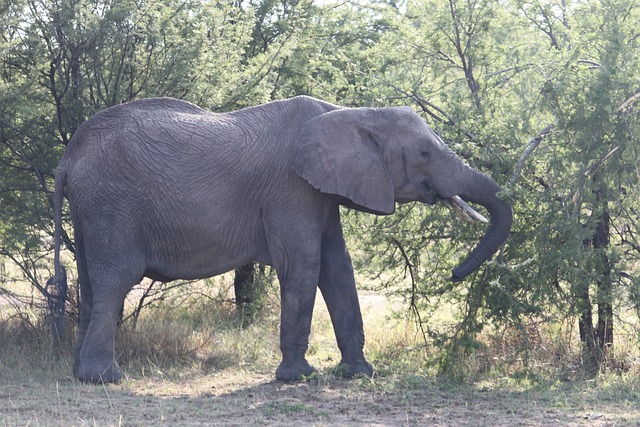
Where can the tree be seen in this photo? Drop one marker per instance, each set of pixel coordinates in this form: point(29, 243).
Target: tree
point(588, 94)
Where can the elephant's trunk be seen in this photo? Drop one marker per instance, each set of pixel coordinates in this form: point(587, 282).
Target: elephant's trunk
point(482, 190)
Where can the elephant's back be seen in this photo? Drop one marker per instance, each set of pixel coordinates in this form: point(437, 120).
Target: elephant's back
point(149, 152)
point(105, 124)
point(147, 130)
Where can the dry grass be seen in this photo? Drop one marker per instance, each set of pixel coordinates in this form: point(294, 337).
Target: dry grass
point(193, 366)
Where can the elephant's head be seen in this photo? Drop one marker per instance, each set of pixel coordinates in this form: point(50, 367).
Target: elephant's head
point(376, 157)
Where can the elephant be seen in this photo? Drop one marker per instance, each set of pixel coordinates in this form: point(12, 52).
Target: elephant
point(163, 189)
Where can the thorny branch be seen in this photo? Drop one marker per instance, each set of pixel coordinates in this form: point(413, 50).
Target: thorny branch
point(426, 106)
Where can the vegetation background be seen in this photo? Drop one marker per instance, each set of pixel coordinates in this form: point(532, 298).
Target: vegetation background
point(541, 94)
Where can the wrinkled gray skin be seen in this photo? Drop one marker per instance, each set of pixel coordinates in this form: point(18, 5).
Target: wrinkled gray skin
point(163, 189)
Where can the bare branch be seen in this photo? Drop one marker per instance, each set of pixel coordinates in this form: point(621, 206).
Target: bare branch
point(463, 54)
point(593, 64)
point(532, 145)
point(628, 105)
point(597, 164)
point(426, 106)
point(576, 194)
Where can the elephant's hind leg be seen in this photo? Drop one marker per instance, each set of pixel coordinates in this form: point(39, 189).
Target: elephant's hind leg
point(96, 359)
point(109, 287)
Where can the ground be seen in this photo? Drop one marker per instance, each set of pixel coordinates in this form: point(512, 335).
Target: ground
point(247, 400)
point(231, 392)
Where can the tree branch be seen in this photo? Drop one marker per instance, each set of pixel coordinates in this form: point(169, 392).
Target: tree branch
point(592, 64)
point(628, 105)
point(532, 145)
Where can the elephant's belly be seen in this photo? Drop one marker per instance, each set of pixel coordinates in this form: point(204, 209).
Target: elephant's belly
point(202, 259)
point(168, 273)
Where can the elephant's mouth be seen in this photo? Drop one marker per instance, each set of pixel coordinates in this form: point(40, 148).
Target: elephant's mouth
point(460, 207)
point(429, 196)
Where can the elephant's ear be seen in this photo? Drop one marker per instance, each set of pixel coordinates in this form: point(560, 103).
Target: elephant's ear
point(338, 154)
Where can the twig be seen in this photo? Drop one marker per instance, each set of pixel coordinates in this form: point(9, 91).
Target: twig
point(597, 164)
point(593, 64)
point(426, 105)
point(576, 193)
point(413, 305)
point(532, 145)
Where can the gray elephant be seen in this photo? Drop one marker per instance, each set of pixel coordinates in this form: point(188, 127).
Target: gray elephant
point(163, 189)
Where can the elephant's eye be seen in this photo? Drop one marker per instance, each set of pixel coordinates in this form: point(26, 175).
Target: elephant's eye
point(425, 154)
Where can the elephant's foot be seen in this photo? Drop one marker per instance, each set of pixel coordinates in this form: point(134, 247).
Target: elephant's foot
point(97, 374)
point(294, 371)
point(353, 368)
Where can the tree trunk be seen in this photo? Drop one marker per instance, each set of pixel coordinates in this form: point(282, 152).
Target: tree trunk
point(248, 287)
point(601, 242)
point(587, 333)
point(244, 283)
point(598, 342)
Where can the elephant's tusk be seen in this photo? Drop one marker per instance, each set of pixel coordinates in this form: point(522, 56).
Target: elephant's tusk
point(465, 211)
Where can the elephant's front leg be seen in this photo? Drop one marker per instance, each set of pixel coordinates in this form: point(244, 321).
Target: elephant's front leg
point(295, 254)
point(297, 301)
point(338, 288)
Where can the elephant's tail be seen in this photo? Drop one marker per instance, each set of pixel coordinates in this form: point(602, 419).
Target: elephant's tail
point(56, 290)
point(58, 195)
